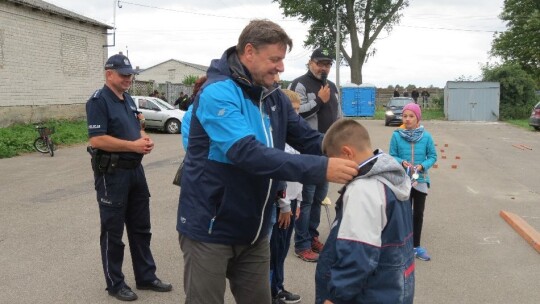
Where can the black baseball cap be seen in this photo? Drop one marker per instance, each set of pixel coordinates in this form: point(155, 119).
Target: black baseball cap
point(121, 64)
point(321, 55)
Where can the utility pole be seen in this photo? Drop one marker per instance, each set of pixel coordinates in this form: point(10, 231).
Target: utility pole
point(338, 43)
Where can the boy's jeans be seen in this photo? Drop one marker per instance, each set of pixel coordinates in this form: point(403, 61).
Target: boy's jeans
point(310, 215)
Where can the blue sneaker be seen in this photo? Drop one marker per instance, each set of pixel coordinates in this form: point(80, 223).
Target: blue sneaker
point(421, 253)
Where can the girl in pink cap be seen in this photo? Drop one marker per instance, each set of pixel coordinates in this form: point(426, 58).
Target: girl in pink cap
point(413, 148)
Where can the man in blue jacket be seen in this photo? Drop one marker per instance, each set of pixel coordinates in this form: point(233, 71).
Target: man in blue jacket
point(239, 125)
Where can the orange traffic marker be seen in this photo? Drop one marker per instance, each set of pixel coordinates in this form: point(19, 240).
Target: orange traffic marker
point(454, 166)
point(522, 228)
point(442, 150)
point(446, 145)
point(435, 166)
point(443, 156)
point(458, 157)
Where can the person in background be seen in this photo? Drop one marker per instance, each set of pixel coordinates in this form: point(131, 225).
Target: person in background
point(282, 230)
point(199, 83)
point(162, 97)
point(405, 93)
point(118, 144)
point(396, 93)
point(425, 98)
point(320, 107)
point(181, 101)
point(239, 125)
point(415, 95)
point(368, 256)
point(413, 147)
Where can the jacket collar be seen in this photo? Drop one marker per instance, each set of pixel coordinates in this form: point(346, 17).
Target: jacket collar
point(310, 75)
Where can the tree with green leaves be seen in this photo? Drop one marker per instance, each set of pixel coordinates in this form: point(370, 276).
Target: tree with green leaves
point(189, 80)
point(520, 43)
point(361, 22)
point(517, 89)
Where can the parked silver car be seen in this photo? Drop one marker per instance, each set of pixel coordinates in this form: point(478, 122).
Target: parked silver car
point(159, 114)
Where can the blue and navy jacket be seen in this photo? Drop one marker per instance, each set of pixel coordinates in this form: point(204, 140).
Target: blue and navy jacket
point(235, 156)
point(368, 256)
point(422, 152)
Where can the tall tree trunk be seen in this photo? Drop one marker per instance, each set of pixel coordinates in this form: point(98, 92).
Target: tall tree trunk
point(356, 63)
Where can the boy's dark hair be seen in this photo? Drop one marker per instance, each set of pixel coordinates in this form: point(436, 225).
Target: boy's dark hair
point(261, 32)
point(345, 132)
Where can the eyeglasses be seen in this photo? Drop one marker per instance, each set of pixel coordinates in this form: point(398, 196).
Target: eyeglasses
point(324, 64)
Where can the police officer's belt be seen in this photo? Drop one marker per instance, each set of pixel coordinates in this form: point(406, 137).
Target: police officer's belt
point(126, 164)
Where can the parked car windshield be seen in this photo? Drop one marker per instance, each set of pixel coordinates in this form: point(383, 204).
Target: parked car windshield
point(399, 102)
point(163, 103)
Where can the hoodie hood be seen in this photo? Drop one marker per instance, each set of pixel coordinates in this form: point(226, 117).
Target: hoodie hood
point(387, 170)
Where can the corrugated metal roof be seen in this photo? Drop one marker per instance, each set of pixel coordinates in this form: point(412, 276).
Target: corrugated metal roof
point(50, 8)
point(471, 84)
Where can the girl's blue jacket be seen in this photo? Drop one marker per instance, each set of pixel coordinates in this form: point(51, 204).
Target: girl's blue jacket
point(419, 153)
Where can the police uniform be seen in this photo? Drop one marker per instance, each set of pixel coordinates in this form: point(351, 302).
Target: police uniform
point(122, 191)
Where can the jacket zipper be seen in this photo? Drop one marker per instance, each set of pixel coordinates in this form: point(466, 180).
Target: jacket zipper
point(412, 154)
point(211, 226)
point(269, 143)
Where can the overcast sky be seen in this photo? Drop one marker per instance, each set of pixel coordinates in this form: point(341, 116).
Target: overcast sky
point(436, 41)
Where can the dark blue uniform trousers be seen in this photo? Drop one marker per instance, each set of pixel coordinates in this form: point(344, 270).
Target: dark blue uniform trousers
point(124, 198)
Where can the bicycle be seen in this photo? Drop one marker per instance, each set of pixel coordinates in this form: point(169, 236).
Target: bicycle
point(44, 143)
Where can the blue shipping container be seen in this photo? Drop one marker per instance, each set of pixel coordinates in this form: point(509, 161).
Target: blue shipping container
point(358, 101)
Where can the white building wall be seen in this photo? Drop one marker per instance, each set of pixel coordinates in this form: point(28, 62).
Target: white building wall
point(48, 59)
point(169, 71)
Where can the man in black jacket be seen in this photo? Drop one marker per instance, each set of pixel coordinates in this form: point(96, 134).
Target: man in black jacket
point(320, 107)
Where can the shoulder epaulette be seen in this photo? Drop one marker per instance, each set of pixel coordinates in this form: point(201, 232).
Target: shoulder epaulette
point(96, 94)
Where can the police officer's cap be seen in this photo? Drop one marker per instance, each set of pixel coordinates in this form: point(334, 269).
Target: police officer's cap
point(121, 64)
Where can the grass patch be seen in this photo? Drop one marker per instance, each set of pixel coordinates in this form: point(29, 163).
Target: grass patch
point(18, 139)
point(522, 123)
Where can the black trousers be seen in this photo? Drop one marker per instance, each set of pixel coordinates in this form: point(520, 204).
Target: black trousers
point(418, 202)
point(124, 199)
point(280, 242)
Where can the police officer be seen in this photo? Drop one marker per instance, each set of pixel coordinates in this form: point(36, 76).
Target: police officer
point(118, 144)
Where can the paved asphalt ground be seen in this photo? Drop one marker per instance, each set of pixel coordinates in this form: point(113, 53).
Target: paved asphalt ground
point(49, 222)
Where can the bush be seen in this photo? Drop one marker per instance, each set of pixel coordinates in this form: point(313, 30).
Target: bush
point(517, 90)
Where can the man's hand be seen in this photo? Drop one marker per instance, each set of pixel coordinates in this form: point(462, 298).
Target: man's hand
point(341, 170)
point(143, 145)
point(284, 220)
point(324, 93)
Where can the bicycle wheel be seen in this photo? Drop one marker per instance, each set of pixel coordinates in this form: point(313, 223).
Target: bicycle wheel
point(51, 147)
point(41, 145)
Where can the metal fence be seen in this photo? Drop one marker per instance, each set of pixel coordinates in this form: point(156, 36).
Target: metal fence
point(171, 91)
